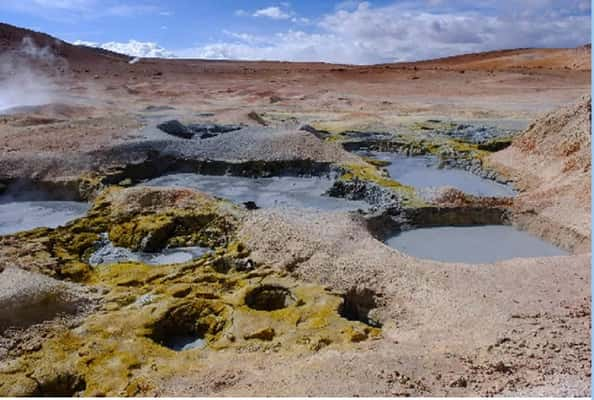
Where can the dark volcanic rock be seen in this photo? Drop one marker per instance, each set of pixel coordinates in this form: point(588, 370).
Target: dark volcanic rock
point(370, 192)
point(204, 131)
point(153, 108)
point(365, 135)
point(250, 205)
point(176, 128)
point(490, 136)
point(317, 133)
point(210, 130)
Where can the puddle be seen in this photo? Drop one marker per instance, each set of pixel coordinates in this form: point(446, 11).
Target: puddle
point(184, 342)
point(275, 192)
point(471, 244)
point(24, 215)
point(422, 172)
point(110, 254)
point(188, 326)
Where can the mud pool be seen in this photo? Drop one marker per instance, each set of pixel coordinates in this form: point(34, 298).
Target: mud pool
point(184, 342)
point(24, 215)
point(107, 253)
point(471, 244)
point(422, 172)
point(275, 192)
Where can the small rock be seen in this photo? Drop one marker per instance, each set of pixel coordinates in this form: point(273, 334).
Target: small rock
point(245, 264)
point(317, 133)
point(266, 334)
point(256, 117)
point(153, 108)
point(126, 182)
point(460, 382)
point(176, 128)
point(250, 205)
point(211, 130)
point(501, 367)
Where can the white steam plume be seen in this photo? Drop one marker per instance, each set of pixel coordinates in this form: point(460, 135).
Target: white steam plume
point(22, 83)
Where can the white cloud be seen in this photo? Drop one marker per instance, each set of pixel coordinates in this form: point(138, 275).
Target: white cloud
point(408, 31)
point(272, 12)
point(132, 48)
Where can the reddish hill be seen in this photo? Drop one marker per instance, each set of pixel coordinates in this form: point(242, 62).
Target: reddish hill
point(11, 39)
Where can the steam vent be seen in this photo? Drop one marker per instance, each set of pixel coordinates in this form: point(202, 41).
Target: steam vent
point(174, 226)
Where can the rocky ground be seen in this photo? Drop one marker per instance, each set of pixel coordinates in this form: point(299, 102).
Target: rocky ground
point(295, 302)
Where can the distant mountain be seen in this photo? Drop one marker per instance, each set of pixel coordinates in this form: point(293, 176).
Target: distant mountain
point(81, 56)
point(15, 39)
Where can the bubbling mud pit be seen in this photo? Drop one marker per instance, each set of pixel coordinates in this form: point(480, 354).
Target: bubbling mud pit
point(471, 244)
point(423, 172)
point(273, 192)
point(22, 210)
point(108, 253)
point(476, 234)
point(460, 235)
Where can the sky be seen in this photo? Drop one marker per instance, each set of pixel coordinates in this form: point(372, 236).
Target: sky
point(350, 32)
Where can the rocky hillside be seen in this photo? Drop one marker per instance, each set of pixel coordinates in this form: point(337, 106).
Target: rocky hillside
point(12, 37)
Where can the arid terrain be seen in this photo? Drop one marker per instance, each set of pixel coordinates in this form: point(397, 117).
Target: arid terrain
point(291, 301)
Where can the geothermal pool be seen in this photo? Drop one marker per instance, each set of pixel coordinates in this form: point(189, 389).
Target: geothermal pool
point(275, 192)
point(107, 253)
point(422, 172)
point(24, 215)
point(184, 342)
point(471, 244)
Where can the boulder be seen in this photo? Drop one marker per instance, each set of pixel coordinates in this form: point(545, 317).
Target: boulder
point(176, 128)
point(211, 130)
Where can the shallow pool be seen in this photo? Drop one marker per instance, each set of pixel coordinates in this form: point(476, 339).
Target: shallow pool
point(275, 192)
point(107, 253)
point(422, 172)
point(184, 342)
point(471, 244)
point(24, 215)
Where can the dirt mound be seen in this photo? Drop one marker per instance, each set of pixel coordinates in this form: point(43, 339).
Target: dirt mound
point(564, 134)
point(551, 162)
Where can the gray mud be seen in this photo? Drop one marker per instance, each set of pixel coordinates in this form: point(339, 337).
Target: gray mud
point(423, 172)
point(25, 215)
point(471, 244)
point(107, 253)
point(275, 192)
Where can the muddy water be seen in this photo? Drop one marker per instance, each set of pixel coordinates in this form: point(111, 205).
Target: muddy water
point(182, 343)
point(24, 215)
point(276, 192)
point(471, 244)
point(422, 172)
point(110, 254)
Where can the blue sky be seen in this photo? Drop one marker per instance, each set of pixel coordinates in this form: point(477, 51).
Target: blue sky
point(335, 31)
